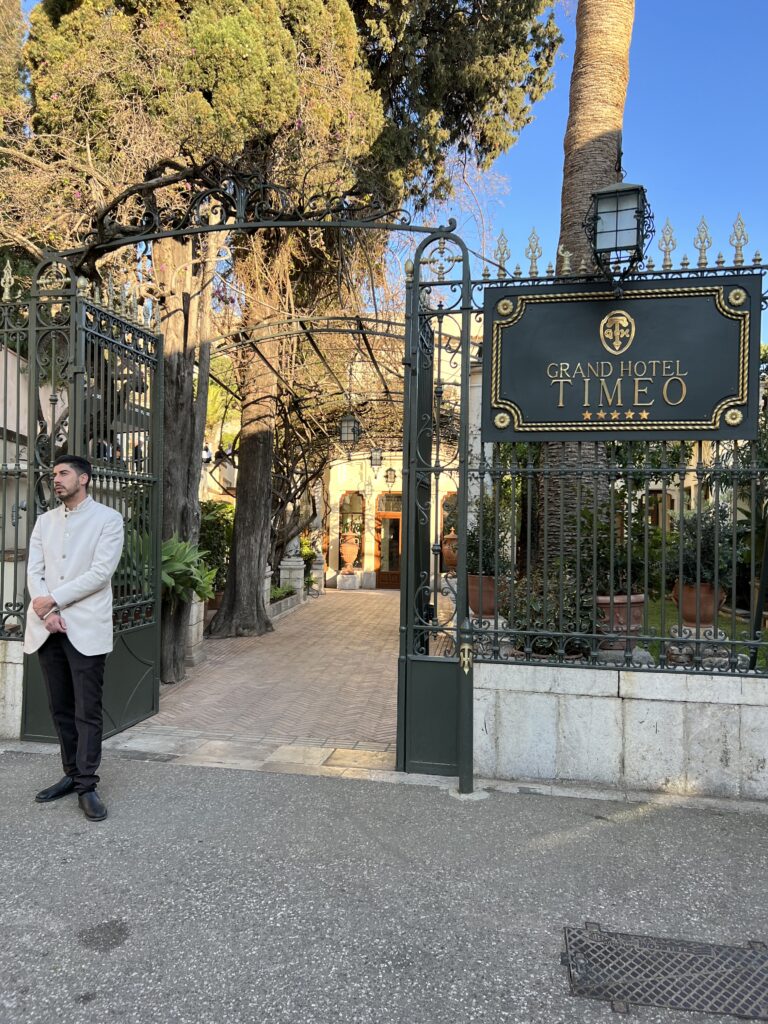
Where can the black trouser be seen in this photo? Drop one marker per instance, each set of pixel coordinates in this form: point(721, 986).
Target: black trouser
point(74, 683)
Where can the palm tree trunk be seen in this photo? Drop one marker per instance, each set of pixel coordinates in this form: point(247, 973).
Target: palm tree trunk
point(596, 114)
point(592, 160)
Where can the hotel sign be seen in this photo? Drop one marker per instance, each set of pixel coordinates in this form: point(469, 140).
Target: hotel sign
point(666, 359)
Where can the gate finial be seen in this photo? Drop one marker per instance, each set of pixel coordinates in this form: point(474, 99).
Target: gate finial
point(738, 240)
point(502, 253)
point(702, 242)
point(533, 252)
point(666, 244)
point(7, 281)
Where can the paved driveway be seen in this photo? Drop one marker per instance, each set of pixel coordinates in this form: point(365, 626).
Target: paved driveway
point(324, 681)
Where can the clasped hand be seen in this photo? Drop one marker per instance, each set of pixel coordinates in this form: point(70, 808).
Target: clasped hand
point(42, 606)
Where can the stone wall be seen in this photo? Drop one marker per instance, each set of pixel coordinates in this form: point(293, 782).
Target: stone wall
point(693, 735)
point(11, 688)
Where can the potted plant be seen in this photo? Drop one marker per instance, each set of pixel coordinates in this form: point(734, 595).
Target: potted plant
point(488, 553)
point(619, 555)
point(549, 618)
point(703, 568)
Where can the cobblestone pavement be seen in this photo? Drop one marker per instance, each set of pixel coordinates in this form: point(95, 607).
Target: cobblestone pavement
point(319, 694)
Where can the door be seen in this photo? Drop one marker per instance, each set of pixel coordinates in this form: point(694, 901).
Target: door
point(389, 541)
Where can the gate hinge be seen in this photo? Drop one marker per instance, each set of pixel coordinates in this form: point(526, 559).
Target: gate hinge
point(465, 658)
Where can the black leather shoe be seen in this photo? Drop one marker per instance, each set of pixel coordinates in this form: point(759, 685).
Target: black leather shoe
point(92, 806)
point(62, 788)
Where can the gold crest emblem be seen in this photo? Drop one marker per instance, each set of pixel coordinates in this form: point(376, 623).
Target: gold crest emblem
point(617, 332)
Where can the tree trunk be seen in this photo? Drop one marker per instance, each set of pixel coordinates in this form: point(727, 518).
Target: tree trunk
point(596, 114)
point(243, 610)
point(180, 279)
point(592, 160)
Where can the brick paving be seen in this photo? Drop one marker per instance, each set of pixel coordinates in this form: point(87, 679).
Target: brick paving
point(320, 687)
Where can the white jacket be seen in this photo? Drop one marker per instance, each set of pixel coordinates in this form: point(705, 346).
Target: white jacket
point(72, 556)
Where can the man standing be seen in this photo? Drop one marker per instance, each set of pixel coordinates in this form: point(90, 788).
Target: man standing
point(73, 552)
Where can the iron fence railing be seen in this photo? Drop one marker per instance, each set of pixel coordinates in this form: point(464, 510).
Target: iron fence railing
point(643, 554)
point(14, 321)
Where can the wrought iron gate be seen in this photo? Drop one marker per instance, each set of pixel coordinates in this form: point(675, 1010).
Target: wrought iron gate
point(435, 671)
point(580, 551)
point(95, 389)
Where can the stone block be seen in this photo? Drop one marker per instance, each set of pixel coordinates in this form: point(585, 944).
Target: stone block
point(318, 572)
point(589, 740)
point(485, 733)
point(754, 753)
point(292, 573)
point(194, 655)
point(349, 581)
point(754, 691)
point(530, 678)
point(712, 750)
point(654, 755)
point(681, 686)
point(11, 693)
point(527, 735)
point(11, 652)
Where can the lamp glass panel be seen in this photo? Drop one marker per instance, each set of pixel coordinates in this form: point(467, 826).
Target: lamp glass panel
point(349, 429)
point(627, 220)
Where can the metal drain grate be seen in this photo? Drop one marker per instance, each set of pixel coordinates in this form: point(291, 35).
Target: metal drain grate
point(646, 971)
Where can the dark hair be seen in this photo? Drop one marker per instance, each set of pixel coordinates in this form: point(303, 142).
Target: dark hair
point(80, 464)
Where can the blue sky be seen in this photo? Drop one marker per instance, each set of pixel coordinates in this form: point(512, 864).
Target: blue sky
point(694, 130)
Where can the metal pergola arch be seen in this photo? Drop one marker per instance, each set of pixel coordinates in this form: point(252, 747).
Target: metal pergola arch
point(225, 201)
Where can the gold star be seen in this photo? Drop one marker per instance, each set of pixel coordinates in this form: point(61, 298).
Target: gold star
point(629, 414)
point(587, 416)
point(644, 414)
point(601, 414)
point(615, 414)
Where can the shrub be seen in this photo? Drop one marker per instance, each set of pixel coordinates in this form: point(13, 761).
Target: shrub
point(706, 542)
point(496, 544)
point(216, 523)
point(635, 548)
point(547, 612)
point(184, 572)
point(278, 593)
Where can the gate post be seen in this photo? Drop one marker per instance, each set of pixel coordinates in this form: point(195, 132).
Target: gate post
point(463, 621)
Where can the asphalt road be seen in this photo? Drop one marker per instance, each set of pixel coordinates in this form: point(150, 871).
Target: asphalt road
point(214, 896)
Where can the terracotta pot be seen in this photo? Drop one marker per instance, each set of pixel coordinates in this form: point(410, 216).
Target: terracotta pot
point(348, 550)
point(450, 554)
point(709, 605)
point(620, 616)
point(487, 605)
